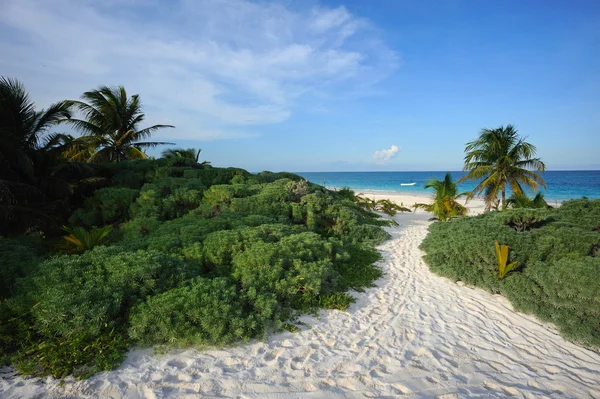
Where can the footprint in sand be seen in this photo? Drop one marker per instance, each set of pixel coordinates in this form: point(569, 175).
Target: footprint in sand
point(400, 389)
point(297, 363)
point(270, 357)
point(410, 355)
point(178, 364)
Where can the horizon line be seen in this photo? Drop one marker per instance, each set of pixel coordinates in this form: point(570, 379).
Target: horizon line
point(442, 171)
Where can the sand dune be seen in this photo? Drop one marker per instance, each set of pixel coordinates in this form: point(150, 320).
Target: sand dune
point(414, 335)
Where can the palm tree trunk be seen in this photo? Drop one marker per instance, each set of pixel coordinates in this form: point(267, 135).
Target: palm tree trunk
point(503, 199)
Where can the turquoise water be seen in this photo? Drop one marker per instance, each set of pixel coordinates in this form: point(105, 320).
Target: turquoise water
point(561, 185)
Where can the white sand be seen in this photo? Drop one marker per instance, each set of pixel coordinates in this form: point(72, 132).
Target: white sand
point(415, 334)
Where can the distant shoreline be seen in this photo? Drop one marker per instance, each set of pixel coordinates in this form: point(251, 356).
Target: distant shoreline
point(423, 196)
point(561, 185)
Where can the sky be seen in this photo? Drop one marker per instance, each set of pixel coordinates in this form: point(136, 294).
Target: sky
point(325, 85)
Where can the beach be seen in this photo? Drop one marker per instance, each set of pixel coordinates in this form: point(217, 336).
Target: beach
point(415, 334)
point(474, 206)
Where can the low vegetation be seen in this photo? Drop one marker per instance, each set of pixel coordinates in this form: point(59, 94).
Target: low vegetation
point(176, 252)
point(195, 255)
point(383, 205)
point(557, 271)
point(445, 195)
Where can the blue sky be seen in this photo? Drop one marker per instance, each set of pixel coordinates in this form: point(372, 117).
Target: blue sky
point(326, 86)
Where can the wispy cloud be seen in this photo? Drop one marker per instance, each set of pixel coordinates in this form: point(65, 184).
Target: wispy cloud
point(385, 155)
point(213, 68)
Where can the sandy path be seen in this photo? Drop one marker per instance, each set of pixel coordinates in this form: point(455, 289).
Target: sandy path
point(416, 335)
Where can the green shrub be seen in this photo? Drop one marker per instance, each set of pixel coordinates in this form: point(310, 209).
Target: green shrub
point(213, 176)
point(269, 177)
point(20, 257)
point(207, 311)
point(76, 306)
point(297, 265)
point(168, 198)
point(581, 212)
point(558, 276)
point(222, 194)
point(523, 219)
point(106, 206)
point(139, 227)
point(199, 255)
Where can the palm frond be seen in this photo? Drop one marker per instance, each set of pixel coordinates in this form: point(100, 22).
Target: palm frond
point(147, 132)
point(56, 113)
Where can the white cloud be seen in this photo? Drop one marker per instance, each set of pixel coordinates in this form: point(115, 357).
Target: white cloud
point(385, 155)
point(228, 64)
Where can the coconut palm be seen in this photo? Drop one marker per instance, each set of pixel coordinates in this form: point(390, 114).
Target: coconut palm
point(444, 206)
point(523, 201)
point(22, 129)
point(185, 153)
point(502, 159)
point(110, 127)
point(35, 182)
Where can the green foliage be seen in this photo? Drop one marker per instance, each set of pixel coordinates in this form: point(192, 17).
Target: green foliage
point(106, 206)
point(19, 258)
point(390, 207)
point(213, 176)
point(339, 301)
point(270, 177)
point(168, 198)
point(199, 255)
point(82, 239)
point(110, 127)
point(523, 219)
point(222, 194)
point(500, 159)
point(523, 201)
point(502, 256)
point(366, 203)
point(181, 154)
point(347, 193)
point(583, 212)
point(38, 187)
point(444, 206)
point(76, 308)
point(205, 311)
point(384, 205)
point(557, 279)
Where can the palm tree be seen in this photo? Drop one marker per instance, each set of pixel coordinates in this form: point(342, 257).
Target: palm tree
point(502, 159)
point(523, 201)
point(444, 206)
point(110, 127)
point(22, 128)
point(35, 182)
point(189, 153)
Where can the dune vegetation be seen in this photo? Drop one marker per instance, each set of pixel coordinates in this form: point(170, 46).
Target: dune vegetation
point(557, 275)
point(197, 255)
point(103, 248)
point(544, 260)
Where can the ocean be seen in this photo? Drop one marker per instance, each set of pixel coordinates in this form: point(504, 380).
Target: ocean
point(561, 185)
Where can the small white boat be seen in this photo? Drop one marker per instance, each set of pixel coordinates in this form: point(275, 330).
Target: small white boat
point(408, 184)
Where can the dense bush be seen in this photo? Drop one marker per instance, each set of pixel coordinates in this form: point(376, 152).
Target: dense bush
point(106, 206)
point(198, 255)
point(19, 258)
point(168, 198)
point(558, 276)
point(205, 311)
